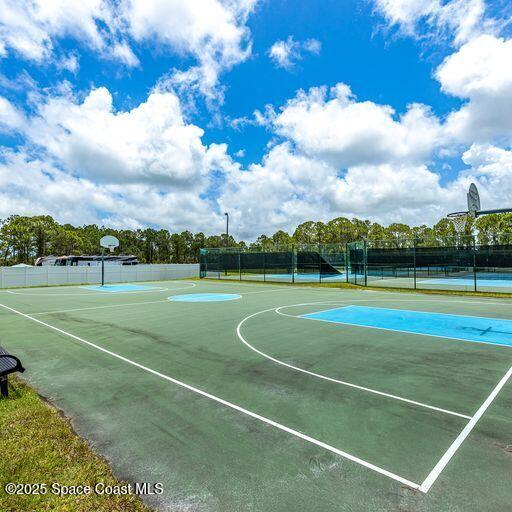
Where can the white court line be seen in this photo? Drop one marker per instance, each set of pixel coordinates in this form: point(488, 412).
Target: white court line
point(94, 288)
point(330, 379)
point(239, 283)
point(87, 294)
point(432, 477)
point(268, 291)
point(231, 405)
point(415, 295)
point(151, 302)
point(419, 293)
point(102, 294)
point(99, 307)
point(133, 304)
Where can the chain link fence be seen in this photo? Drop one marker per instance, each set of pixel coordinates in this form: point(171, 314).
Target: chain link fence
point(300, 263)
point(467, 263)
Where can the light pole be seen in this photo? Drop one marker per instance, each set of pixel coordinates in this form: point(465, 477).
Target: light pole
point(227, 238)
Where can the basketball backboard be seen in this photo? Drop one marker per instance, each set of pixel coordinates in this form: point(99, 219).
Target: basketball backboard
point(473, 199)
point(109, 242)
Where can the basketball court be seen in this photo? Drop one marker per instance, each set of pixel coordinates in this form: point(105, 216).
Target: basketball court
point(259, 396)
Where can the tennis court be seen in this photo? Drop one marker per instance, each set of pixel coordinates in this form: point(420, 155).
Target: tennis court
point(260, 396)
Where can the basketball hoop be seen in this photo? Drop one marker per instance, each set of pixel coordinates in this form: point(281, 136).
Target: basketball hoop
point(107, 242)
point(460, 221)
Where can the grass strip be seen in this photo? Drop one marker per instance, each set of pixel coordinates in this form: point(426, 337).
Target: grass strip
point(38, 446)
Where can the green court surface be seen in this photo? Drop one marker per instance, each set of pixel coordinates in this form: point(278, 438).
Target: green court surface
point(244, 405)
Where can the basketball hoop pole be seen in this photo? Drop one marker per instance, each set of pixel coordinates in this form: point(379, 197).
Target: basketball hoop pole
point(103, 266)
point(111, 242)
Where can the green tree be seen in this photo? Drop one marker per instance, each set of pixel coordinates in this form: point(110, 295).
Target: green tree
point(494, 229)
point(339, 231)
point(18, 239)
point(306, 233)
point(23, 239)
point(282, 238)
point(399, 233)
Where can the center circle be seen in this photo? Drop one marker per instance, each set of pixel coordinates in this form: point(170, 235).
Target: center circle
point(204, 297)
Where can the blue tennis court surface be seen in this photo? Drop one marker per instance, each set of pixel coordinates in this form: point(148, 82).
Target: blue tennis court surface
point(204, 297)
point(115, 288)
point(469, 328)
point(470, 282)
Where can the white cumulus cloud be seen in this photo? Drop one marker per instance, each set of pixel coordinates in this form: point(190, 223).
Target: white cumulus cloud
point(150, 143)
point(334, 125)
point(285, 54)
point(480, 72)
point(213, 32)
point(85, 161)
point(459, 20)
point(31, 186)
point(288, 188)
point(30, 27)
point(491, 168)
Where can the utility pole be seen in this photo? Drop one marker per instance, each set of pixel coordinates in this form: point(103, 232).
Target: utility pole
point(227, 238)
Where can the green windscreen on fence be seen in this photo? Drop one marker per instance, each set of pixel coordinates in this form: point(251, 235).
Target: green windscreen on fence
point(453, 263)
point(324, 260)
point(304, 262)
point(356, 263)
point(464, 263)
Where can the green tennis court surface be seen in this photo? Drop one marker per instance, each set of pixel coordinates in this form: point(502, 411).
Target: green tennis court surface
point(244, 405)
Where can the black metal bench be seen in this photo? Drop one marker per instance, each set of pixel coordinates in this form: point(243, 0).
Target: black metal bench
point(8, 364)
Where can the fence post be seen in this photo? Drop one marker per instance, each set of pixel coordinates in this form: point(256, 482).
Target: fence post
point(264, 267)
point(347, 262)
point(365, 259)
point(414, 259)
point(474, 263)
point(319, 265)
point(240, 264)
point(294, 261)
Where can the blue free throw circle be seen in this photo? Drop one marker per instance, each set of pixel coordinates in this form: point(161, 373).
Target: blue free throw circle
point(204, 297)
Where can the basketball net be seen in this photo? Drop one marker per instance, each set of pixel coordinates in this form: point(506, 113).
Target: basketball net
point(460, 221)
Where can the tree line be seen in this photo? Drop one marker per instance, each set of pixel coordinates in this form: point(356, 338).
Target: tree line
point(24, 239)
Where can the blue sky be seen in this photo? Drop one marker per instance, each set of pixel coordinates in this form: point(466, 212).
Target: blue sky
point(167, 113)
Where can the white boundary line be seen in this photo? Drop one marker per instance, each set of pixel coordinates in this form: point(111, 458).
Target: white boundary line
point(236, 282)
point(233, 296)
point(86, 294)
point(330, 379)
point(99, 307)
point(102, 294)
point(478, 299)
point(268, 291)
point(434, 313)
point(231, 405)
point(133, 304)
point(434, 474)
point(94, 288)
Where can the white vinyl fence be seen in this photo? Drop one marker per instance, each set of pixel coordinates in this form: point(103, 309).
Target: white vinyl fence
point(11, 277)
